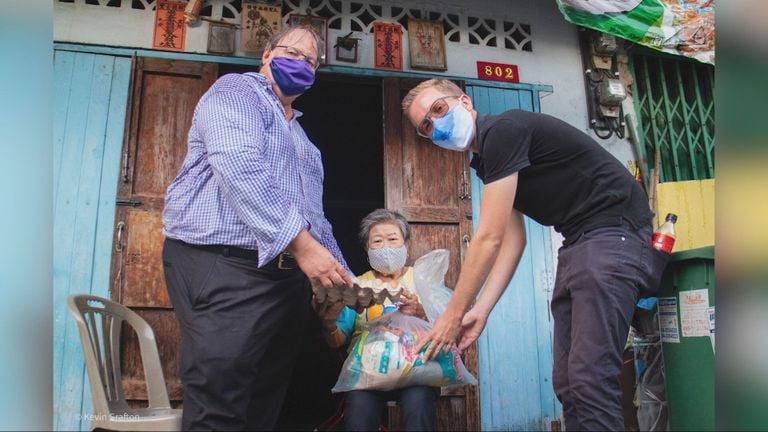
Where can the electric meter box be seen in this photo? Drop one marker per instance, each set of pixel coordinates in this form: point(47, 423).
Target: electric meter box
point(611, 92)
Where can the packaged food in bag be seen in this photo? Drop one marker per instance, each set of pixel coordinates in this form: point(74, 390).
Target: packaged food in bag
point(383, 357)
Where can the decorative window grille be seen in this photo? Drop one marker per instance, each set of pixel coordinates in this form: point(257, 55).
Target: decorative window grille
point(675, 105)
point(358, 16)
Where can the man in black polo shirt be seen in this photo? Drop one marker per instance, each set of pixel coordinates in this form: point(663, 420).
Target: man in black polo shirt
point(537, 165)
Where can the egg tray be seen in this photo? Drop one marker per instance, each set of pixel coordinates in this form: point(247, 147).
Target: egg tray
point(365, 292)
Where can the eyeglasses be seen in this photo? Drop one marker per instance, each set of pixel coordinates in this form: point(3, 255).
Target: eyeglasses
point(297, 54)
point(438, 109)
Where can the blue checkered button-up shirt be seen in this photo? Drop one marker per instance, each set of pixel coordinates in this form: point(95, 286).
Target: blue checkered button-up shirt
point(251, 178)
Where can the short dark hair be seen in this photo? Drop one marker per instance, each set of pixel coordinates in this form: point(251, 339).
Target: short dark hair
point(380, 216)
point(285, 31)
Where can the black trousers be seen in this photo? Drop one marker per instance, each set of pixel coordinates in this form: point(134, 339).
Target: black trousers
point(239, 327)
point(363, 408)
point(596, 288)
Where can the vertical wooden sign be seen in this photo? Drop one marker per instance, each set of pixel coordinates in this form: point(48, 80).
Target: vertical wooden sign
point(259, 23)
point(170, 29)
point(389, 46)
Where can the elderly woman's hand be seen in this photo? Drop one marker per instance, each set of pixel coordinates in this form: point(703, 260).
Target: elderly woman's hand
point(410, 305)
point(328, 312)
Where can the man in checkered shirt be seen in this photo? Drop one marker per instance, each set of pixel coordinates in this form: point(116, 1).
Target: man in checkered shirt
point(245, 236)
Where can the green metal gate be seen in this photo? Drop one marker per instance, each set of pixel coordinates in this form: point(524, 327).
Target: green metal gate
point(676, 116)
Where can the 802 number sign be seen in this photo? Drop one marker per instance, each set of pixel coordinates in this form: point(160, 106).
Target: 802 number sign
point(497, 72)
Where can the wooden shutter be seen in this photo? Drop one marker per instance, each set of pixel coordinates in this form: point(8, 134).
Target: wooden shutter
point(430, 187)
point(164, 94)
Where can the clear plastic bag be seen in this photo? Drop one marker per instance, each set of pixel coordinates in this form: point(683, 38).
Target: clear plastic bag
point(428, 280)
point(384, 357)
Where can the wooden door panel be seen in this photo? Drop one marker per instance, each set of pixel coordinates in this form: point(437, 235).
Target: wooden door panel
point(164, 94)
point(144, 282)
point(431, 176)
point(164, 121)
point(430, 187)
point(427, 237)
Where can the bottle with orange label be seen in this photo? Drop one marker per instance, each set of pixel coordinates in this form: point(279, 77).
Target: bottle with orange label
point(664, 237)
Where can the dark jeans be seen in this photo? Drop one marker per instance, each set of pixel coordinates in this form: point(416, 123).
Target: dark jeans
point(239, 330)
point(597, 284)
point(363, 408)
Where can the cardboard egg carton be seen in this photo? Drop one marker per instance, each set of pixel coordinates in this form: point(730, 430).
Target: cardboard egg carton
point(363, 292)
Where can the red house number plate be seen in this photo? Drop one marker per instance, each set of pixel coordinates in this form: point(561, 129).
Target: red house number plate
point(497, 72)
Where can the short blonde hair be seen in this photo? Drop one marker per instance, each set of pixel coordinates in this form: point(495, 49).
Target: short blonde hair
point(443, 85)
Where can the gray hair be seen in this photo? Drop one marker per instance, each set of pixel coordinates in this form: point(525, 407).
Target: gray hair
point(380, 216)
point(285, 31)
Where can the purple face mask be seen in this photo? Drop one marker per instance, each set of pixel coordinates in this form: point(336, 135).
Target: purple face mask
point(292, 76)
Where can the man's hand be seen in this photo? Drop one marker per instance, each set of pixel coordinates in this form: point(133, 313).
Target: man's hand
point(443, 335)
point(471, 327)
point(317, 263)
point(409, 304)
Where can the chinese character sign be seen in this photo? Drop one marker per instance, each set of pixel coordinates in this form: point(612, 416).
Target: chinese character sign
point(389, 46)
point(259, 23)
point(426, 45)
point(170, 27)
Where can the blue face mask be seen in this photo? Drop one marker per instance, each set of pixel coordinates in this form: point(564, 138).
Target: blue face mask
point(292, 76)
point(455, 130)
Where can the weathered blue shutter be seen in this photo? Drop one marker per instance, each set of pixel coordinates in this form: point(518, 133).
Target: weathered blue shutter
point(91, 92)
point(515, 350)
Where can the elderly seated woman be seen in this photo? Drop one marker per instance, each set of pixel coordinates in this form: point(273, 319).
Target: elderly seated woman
point(384, 234)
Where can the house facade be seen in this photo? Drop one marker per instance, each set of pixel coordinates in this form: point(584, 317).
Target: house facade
point(125, 87)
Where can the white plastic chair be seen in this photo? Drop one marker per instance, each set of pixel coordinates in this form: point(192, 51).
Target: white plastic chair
point(100, 323)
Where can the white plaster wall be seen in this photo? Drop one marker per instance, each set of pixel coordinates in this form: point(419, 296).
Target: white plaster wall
point(555, 59)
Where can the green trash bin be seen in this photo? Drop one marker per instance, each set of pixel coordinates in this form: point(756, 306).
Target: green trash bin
point(690, 364)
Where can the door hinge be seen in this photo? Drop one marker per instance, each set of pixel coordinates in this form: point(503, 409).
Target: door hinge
point(128, 202)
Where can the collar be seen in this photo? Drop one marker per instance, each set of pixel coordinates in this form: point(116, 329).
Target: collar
point(260, 79)
point(265, 83)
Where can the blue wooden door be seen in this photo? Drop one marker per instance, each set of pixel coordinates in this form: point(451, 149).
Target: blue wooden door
point(91, 93)
point(515, 350)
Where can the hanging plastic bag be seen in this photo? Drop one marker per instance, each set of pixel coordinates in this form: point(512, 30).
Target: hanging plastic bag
point(384, 357)
point(428, 280)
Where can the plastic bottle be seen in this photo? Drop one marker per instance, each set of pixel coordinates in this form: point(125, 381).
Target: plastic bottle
point(664, 237)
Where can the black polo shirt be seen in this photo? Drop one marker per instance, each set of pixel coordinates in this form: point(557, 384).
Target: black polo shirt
point(566, 179)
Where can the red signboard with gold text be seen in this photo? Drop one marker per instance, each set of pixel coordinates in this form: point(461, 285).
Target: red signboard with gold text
point(497, 72)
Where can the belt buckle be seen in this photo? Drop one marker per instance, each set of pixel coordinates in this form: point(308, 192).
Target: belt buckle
point(281, 264)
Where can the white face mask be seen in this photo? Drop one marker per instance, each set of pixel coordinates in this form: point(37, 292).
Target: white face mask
point(388, 260)
point(455, 130)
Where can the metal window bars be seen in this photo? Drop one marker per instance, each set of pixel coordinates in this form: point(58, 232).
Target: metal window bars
point(676, 112)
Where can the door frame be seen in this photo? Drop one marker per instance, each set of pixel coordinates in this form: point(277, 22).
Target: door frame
point(537, 89)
